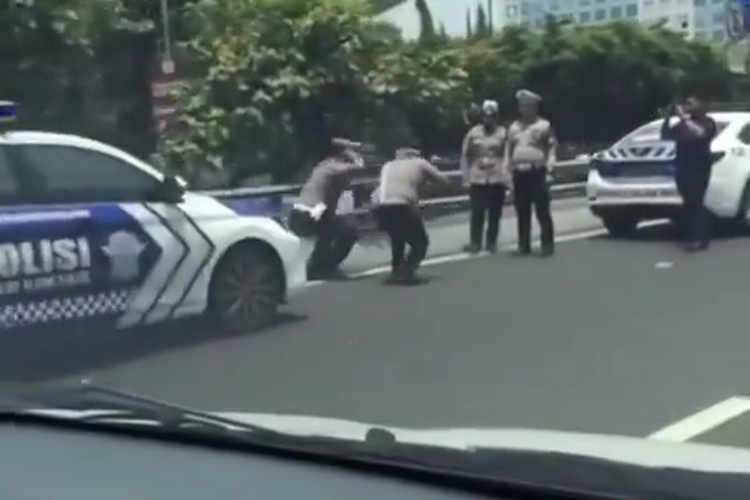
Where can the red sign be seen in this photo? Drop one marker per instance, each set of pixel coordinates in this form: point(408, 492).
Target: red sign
point(164, 104)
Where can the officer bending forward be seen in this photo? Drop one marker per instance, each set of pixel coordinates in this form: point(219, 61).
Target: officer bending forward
point(397, 211)
point(315, 212)
point(531, 155)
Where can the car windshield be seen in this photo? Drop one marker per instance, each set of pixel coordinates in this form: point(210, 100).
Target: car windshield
point(387, 224)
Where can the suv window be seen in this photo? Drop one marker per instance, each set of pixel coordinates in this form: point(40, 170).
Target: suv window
point(744, 134)
point(65, 174)
point(10, 188)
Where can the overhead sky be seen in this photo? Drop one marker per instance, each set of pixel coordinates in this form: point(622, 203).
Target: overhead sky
point(450, 13)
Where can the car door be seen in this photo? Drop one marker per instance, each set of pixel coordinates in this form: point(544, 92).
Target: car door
point(90, 223)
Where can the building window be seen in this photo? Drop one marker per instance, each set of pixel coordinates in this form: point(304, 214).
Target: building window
point(615, 12)
point(648, 3)
point(631, 10)
point(600, 14)
point(585, 17)
point(584, 3)
point(718, 17)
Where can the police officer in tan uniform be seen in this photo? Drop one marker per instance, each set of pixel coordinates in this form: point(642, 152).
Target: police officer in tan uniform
point(531, 156)
point(397, 213)
point(314, 214)
point(486, 177)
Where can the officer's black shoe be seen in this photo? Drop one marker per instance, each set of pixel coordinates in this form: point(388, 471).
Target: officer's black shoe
point(412, 280)
point(491, 247)
point(523, 251)
point(547, 251)
point(392, 279)
point(331, 275)
point(472, 248)
point(697, 246)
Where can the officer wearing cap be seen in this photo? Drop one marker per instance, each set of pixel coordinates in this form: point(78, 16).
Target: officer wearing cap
point(397, 211)
point(315, 212)
point(486, 177)
point(531, 155)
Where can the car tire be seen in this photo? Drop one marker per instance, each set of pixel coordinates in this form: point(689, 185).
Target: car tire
point(620, 226)
point(246, 290)
point(741, 222)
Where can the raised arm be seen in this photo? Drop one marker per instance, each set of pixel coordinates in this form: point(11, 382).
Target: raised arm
point(668, 132)
point(550, 149)
point(465, 160)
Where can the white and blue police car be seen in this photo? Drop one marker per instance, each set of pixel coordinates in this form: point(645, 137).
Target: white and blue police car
point(89, 233)
point(633, 180)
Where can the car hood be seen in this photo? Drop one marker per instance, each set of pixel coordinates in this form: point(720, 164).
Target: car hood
point(622, 449)
point(632, 450)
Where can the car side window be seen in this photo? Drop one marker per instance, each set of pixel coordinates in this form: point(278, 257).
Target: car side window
point(10, 187)
point(744, 134)
point(69, 174)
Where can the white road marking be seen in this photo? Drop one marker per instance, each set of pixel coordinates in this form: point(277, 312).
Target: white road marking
point(462, 256)
point(663, 265)
point(703, 421)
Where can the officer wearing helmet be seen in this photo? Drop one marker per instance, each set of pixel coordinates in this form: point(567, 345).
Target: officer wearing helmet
point(396, 210)
point(486, 177)
point(315, 212)
point(531, 156)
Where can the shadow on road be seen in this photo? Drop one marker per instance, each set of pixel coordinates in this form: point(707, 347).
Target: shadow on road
point(38, 356)
point(670, 233)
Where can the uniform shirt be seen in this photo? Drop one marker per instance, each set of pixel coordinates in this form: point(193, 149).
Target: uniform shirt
point(693, 153)
point(482, 159)
point(327, 182)
point(530, 145)
point(401, 180)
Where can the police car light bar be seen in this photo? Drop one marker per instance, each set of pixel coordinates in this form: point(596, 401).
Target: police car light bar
point(8, 111)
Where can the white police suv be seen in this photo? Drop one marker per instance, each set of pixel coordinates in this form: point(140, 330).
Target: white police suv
point(90, 233)
point(633, 180)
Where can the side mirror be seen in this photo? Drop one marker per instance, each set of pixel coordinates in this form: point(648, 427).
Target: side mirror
point(171, 191)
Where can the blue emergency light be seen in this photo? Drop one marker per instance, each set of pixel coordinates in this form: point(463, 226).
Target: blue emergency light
point(8, 111)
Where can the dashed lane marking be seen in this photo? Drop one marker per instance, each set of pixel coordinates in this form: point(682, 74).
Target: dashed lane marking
point(703, 421)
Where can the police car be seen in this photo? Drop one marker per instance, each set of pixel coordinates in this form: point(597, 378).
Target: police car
point(90, 233)
point(633, 180)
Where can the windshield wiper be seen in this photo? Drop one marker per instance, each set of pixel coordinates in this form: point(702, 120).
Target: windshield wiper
point(526, 473)
point(90, 404)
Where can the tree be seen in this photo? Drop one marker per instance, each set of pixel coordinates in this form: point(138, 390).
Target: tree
point(427, 26)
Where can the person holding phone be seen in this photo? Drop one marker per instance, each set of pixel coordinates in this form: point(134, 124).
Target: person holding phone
point(692, 134)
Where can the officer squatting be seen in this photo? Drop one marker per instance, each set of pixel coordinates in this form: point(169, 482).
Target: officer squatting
point(44, 264)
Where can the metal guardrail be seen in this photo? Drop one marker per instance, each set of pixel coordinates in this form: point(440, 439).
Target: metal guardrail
point(568, 180)
point(565, 172)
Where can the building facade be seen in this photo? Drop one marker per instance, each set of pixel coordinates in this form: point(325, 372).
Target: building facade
point(700, 19)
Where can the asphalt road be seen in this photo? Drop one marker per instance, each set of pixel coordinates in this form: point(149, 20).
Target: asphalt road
point(609, 336)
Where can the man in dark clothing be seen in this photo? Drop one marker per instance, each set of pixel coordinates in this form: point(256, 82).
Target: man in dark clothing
point(692, 134)
point(315, 212)
point(397, 211)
